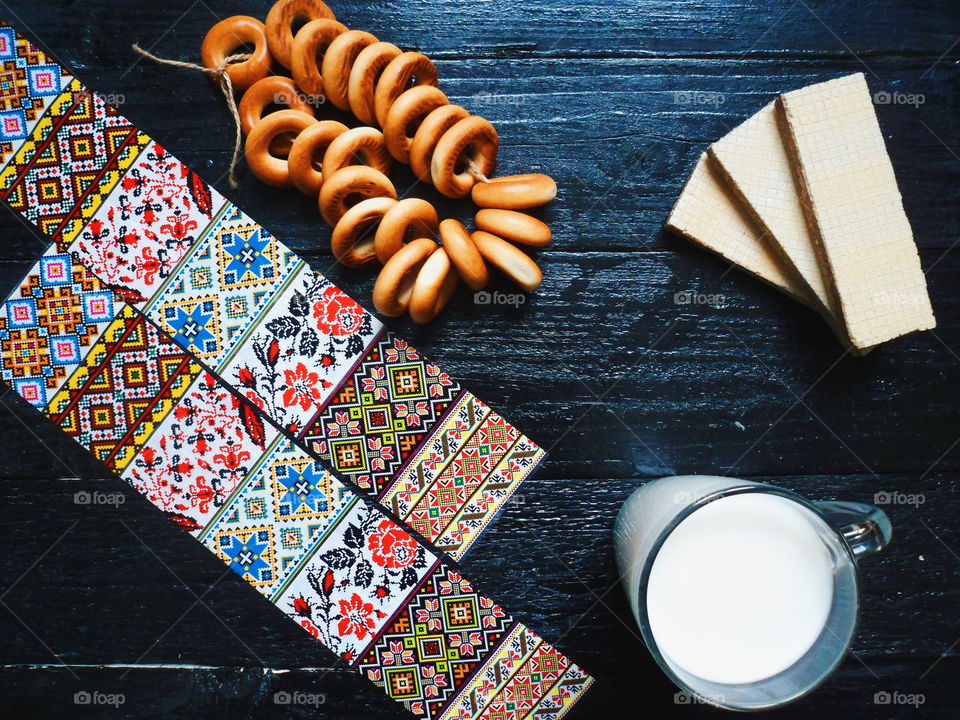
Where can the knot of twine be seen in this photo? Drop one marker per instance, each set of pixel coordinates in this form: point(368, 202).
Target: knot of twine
point(219, 75)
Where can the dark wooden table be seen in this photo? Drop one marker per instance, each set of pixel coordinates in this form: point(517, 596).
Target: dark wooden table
point(602, 366)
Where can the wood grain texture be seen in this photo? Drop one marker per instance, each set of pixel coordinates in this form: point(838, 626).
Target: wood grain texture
point(616, 100)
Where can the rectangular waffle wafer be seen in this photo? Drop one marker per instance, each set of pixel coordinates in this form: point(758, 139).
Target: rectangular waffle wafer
point(854, 209)
point(709, 216)
point(753, 163)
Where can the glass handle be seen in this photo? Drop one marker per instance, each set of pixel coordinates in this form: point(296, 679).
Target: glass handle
point(866, 528)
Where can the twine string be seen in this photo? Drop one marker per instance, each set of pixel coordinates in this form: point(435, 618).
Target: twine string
point(222, 78)
point(474, 170)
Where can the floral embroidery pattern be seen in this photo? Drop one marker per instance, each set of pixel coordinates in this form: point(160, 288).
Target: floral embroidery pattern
point(154, 217)
point(356, 580)
point(301, 349)
point(202, 452)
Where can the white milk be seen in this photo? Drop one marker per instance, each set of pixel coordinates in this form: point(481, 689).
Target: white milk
point(741, 589)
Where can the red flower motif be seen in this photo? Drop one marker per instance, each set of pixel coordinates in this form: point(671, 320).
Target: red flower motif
point(301, 387)
point(391, 547)
point(302, 607)
point(356, 618)
point(336, 314)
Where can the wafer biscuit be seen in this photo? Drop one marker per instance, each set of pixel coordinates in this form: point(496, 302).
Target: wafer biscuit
point(854, 210)
point(709, 216)
point(752, 162)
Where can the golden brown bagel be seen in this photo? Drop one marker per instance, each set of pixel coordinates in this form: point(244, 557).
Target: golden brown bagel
point(352, 241)
point(433, 288)
point(268, 168)
point(514, 263)
point(337, 63)
point(225, 38)
point(515, 192)
point(309, 46)
point(464, 254)
point(364, 74)
point(409, 219)
point(404, 69)
point(427, 136)
point(282, 18)
point(408, 111)
point(472, 140)
point(358, 146)
point(513, 226)
point(349, 186)
point(391, 293)
point(306, 155)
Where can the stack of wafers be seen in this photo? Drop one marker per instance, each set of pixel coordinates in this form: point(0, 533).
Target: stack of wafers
point(803, 196)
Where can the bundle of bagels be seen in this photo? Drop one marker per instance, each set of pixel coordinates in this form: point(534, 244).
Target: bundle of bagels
point(302, 58)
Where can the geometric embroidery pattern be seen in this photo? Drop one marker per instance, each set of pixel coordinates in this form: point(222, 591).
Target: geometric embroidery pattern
point(73, 158)
point(525, 677)
point(28, 83)
point(125, 386)
point(463, 475)
point(286, 507)
point(436, 643)
point(456, 481)
point(200, 454)
point(222, 285)
point(154, 216)
point(381, 413)
point(48, 325)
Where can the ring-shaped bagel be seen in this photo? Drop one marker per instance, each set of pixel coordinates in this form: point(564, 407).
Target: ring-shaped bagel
point(409, 219)
point(269, 169)
point(309, 47)
point(349, 186)
point(397, 78)
point(227, 36)
point(337, 63)
point(428, 135)
point(306, 155)
point(283, 16)
point(514, 263)
point(464, 254)
point(358, 146)
point(391, 292)
point(364, 74)
point(408, 111)
point(352, 241)
point(271, 90)
point(473, 139)
point(433, 288)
